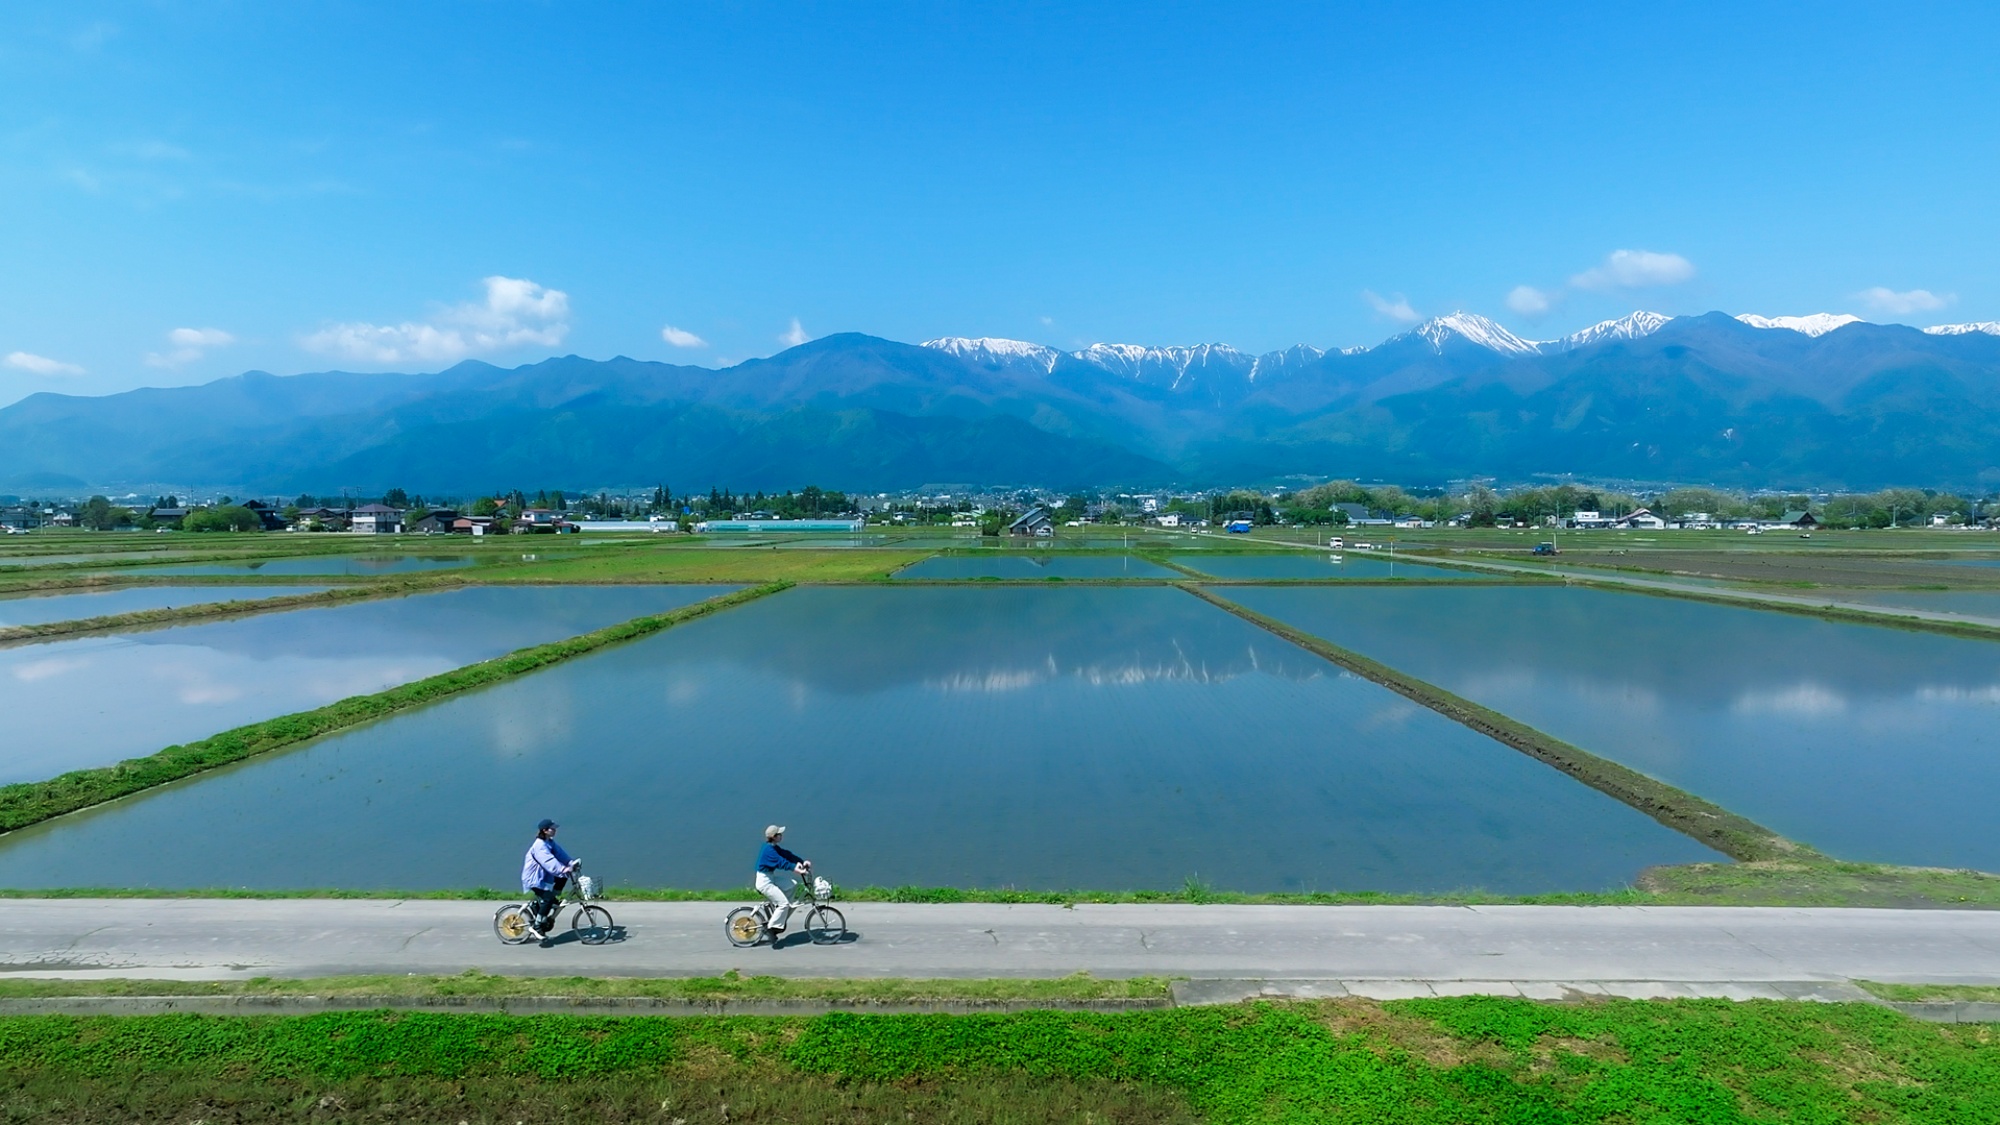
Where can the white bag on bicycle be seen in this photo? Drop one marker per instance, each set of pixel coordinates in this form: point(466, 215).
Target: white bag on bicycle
point(588, 887)
point(822, 890)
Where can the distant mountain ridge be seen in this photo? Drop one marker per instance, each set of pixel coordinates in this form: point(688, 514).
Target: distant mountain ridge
point(1822, 400)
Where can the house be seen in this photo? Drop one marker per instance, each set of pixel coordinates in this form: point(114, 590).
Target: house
point(1796, 518)
point(1642, 520)
point(19, 519)
point(1168, 519)
point(271, 518)
point(437, 522)
point(322, 519)
point(1582, 519)
point(540, 521)
point(167, 517)
point(472, 525)
point(1035, 521)
point(376, 519)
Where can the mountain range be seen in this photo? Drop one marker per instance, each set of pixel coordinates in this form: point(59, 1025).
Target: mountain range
point(1816, 401)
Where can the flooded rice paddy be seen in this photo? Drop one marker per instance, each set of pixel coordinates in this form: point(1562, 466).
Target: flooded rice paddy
point(1313, 564)
point(69, 606)
point(96, 700)
point(353, 566)
point(1869, 743)
point(1037, 565)
point(1044, 738)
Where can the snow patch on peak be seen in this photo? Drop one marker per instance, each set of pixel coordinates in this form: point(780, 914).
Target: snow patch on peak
point(1471, 327)
point(1298, 355)
point(1130, 359)
point(1631, 326)
point(1818, 324)
point(996, 351)
point(1990, 327)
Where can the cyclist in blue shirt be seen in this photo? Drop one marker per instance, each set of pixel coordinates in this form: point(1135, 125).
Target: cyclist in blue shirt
point(544, 874)
point(772, 881)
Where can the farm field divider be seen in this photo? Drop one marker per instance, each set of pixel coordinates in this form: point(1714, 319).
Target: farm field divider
point(1731, 834)
point(32, 802)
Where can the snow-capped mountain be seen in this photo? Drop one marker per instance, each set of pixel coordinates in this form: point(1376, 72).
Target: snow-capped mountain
point(1990, 327)
point(1470, 327)
point(1818, 324)
point(1631, 326)
point(989, 351)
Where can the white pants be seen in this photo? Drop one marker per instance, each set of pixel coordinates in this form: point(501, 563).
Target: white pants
point(777, 886)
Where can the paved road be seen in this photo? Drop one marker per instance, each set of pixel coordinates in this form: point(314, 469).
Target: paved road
point(194, 938)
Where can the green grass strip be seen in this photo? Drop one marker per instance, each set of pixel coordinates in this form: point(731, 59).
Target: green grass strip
point(32, 802)
point(1735, 836)
point(212, 611)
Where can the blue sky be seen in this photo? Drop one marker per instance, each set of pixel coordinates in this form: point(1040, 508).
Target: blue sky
point(194, 189)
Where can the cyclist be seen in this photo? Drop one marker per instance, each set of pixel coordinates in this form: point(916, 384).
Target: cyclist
point(544, 874)
point(772, 882)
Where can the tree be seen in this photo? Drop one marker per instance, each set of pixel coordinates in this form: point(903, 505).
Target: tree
point(229, 517)
point(99, 514)
point(396, 498)
point(485, 506)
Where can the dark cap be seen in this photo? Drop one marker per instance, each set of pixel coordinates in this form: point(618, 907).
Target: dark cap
point(545, 825)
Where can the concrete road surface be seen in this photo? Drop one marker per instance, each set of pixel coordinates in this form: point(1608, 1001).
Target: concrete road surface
point(213, 938)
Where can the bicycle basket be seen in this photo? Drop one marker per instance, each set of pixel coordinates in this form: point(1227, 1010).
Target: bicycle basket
point(589, 887)
point(822, 890)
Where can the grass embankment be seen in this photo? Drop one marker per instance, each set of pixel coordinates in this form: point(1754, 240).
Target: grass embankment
point(1813, 882)
point(731, 986)
point(212, 611)
point(1932, 993)
point(714, 564)
point(1464, 1059)
point(1735, 836)
point(32, 802)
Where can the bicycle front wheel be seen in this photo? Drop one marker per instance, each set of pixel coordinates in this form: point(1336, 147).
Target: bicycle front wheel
point(744, 927)
point(826, 925)
point(592, 925)
point(511, 923)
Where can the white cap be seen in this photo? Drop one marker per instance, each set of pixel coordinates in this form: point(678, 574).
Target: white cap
point(773, 830)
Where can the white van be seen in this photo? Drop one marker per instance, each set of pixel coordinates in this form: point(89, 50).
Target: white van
point(1336, 543)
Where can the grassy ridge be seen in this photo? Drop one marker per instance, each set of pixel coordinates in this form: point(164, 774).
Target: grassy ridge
point(1460, 1060)
point(29, 803)
point(210, 611)
point(1735, 836)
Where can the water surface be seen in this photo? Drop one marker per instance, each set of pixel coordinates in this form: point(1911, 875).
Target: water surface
point(968, 736)
point(95, 700)
point(1035, 566)
point(1305, 564)
point(351, 565)
point(1866, 742)
point(42, 609)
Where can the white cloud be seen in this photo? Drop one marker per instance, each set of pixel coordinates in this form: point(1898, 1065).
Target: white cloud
point(681, 338)
point(41, 364)
point(1883, 299)
point(1529, 301)
point(1395, 309)
point(795, 335)
point(516, 312)
point(1048, 322)
point(189, 344)
point(1635, 269)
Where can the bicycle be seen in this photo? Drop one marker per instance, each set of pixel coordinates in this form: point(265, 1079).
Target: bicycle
point(749, 925)
point(514, 924)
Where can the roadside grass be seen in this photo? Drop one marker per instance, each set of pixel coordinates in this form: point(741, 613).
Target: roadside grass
point(27, 803)
point(1818, 882)
point(1921, 993)
point(1469, 1059)
point(218, 610)
point(728, 986)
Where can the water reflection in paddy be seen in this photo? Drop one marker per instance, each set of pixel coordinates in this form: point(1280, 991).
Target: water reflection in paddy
point(361, 566)
point(1036, 565)
point(1869, 743)
point(957, 736)
point(1312, 564)
point(45, 608)
point(96, 700)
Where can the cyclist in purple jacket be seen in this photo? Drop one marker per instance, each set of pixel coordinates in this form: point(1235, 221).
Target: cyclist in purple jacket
point(544, 874)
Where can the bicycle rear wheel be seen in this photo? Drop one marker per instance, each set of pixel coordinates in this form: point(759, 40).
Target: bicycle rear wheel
point(745, 927)
point(512, 925)
point(592, 925)
point(826, 925)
